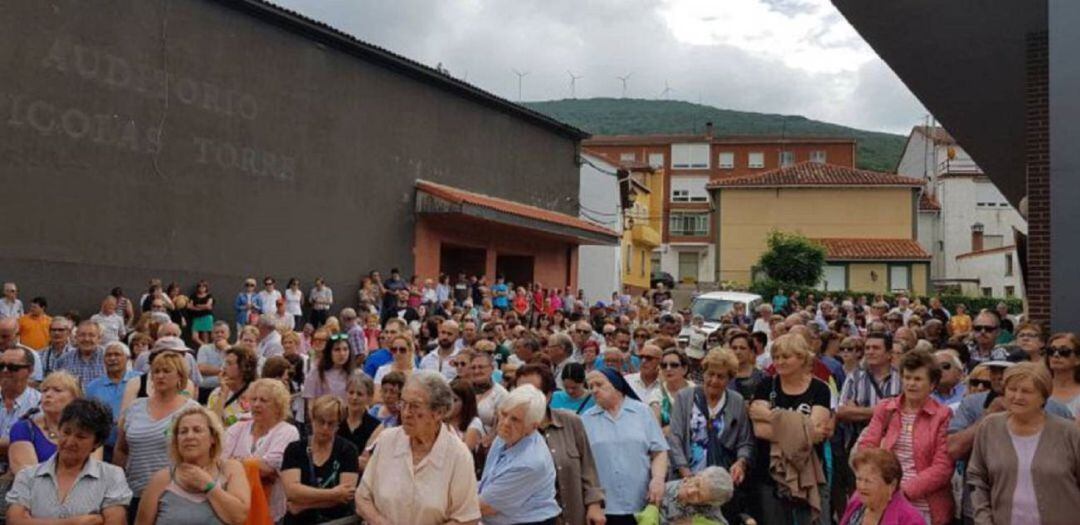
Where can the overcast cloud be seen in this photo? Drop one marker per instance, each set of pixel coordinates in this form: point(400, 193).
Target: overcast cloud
point(772, 56)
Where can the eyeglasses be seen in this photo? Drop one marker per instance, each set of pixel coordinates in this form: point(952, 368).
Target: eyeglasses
point(945, 366)
point(583, 332)
point(984, 328)
point(671, 366)
point(249, 285)
point(399, 349)
point(1027, 335)
point(12, 367)
point(58, 329)
point(648, 357)
point(1060, 351)
point(980, 383)
point(848, 349)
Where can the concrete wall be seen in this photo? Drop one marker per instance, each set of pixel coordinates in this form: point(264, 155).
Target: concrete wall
point(669, 261)
point(746, 216)
point(599, 266)
point(1064, 127)
point(929, 230)
point(989, 269)
point(957, 195)
point(279, 155)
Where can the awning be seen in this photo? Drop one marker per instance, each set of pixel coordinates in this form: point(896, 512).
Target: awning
point(873, 250)
point(432, 198)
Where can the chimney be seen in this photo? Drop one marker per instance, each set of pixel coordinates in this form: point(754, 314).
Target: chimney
point(708, 130)
point(977, 237)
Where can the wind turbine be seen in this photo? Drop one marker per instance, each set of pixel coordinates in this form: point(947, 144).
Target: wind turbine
point(520, 75)
point(573, 83)
point(667, 90)
point(624, 79)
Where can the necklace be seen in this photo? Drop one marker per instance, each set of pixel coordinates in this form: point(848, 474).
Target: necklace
point(49, 430)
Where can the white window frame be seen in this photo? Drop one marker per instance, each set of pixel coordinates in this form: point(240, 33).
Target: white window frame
point(690, 188)
point(628, 157)
point(690, 156)
point(680, 195)
point(834, 285)
point(786, 158)
point(907, 277)
point(698, 222)
point(819, 156)
point(755, 160)
point(726, 160)
point(656, 160)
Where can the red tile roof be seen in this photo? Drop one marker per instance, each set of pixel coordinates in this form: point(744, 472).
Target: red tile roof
point(458, 196)
point(658, 139)
point(988, 251)
point(816, 174)
point(873, 249)
point(928, 202)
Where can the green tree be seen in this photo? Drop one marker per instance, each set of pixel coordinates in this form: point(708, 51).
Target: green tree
point(793, 259)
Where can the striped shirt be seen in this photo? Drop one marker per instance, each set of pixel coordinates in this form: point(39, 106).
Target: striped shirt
point(861, 389)
point(905, 452)
point(98, 486)
point(148, 442)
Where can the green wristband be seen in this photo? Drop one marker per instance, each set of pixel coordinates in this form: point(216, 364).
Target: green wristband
point(209, 486)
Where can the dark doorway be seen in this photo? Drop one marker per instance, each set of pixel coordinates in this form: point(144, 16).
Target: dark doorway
point(459, 259)
point(517, 269)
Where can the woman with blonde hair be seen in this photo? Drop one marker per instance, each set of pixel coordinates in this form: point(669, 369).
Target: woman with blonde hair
point(197, 488)
point(34, 439)
point(404, 357)
point(1063, 361)
point(143, 431)
point(320, 473)
point(263, 438)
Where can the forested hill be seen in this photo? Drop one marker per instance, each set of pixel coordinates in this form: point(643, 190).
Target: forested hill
point(614, 116)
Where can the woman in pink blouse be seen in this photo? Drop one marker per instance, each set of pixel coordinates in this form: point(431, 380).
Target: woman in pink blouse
point(263, 438)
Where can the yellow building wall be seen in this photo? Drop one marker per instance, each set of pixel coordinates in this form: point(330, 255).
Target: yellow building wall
point(637, 245)
point(746, 216)
point(861, 277)
point(919, 278)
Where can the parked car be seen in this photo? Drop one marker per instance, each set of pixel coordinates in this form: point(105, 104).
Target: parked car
point(712, 306)
point(662, 277)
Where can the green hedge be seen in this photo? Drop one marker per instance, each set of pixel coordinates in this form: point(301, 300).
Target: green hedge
point(767, 289)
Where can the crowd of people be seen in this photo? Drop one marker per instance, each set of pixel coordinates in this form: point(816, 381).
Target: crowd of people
point(459, 400)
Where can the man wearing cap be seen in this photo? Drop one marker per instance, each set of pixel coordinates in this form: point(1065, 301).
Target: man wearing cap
point(88, 361)
point(170, 341)
point(972, 410)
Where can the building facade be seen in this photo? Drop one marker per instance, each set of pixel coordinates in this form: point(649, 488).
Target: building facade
point(865, 220)
point(691, 161)
point(216, 140)
point(600, 203)
point(974, 217)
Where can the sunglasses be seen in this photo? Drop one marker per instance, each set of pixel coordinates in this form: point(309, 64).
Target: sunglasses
point(980, 383)
point(583, 332)
point(985, 328)
point(339, 337)
point(1060, 351)
point(399, 349)
point(12, 367)
point(671, 366)
point(850, 349)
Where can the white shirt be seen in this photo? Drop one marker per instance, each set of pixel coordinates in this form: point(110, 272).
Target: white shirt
point(293, 298)
point(10, 309)
point(268, 301)
point(433, 361)
point(112, 326)
point(270, 345)
point(643, 391)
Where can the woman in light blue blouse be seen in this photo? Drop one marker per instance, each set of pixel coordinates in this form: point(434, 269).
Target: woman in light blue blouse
point(629, 447)
point(518, 483)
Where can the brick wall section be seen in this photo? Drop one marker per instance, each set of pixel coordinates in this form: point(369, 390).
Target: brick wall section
point(1037, 154)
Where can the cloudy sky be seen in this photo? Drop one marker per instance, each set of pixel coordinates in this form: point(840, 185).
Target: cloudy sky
point(773, 56)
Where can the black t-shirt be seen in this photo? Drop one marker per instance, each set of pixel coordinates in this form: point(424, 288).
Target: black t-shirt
point(817, 394)
point(359, 436)
point(343, 458)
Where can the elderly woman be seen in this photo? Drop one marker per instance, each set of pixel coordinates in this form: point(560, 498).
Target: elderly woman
point(631, 453)
point(263, 438)
point(420, 473)
point(698, 497)
point(914, 427)
point(1063, 360)
point(577, 485)
point(198, 488)
point(34, 439)
point(358, 425)
point(229, 400)
point(334, 369)
point(36, 495)
point(320, 473)
point(1025, 465)
point(795, 400)
point(709, 425)
point(674, 365)
point(143, 431)
point(878, 498)
point(518, 483)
